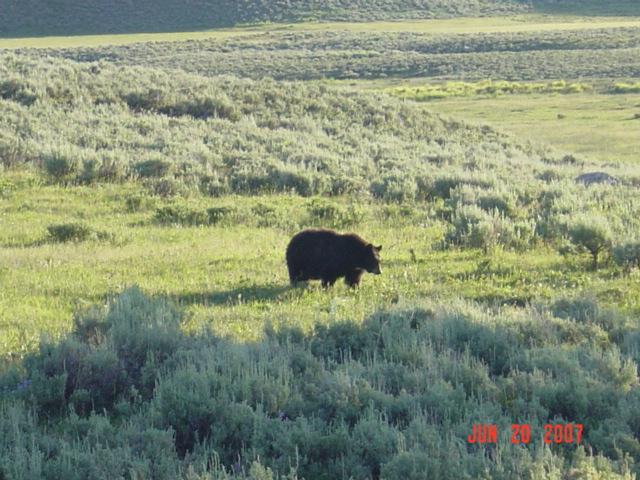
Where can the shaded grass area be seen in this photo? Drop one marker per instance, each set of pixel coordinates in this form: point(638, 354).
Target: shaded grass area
point(171, 16)
point(393, 396)
point(111, 17)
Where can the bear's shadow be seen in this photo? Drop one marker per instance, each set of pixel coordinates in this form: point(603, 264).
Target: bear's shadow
point(250, 293)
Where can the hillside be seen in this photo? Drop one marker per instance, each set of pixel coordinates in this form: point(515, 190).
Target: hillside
point(117, 16)
point(45, 18)
point(86, 123)
point(182, 134)
point(586, 53)
point(92, 123)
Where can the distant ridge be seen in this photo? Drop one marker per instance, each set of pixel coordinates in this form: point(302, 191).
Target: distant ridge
point(74, 17)
point(35, 18)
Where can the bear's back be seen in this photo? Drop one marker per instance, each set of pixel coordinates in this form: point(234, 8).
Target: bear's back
point(312, 242)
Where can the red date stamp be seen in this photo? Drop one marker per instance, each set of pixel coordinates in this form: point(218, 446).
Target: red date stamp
point(521, 433)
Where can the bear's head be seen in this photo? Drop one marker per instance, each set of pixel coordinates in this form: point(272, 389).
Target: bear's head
point(372, 259)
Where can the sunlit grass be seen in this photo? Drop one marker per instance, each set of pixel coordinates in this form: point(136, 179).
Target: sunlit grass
point(233, 279)
point(600, 126)
point(588, 121)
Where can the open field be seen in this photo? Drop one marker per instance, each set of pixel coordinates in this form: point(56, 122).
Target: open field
point(592, 123)
point(233, 279)
point(44, 19)
point(599, 126)
point(190, 335)
point(596, 51)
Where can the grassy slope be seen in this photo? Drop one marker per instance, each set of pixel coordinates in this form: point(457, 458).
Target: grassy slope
point(232, 277)
point(608, 119)
point(41, 18)
point(600, 126)
point(115, 16)
point(591, 121)
point(564, 53)
point(56, 302)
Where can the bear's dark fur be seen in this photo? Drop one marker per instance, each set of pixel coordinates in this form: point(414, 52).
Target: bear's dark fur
point(321, 254)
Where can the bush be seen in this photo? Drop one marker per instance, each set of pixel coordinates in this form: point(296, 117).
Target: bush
point(203, 108)
point(13, 152)
point(214, 186)
point(330, 214)
point(19, 91)
point(153, 168)
point(220, 214)
point(101, 167)
point(138, 203)
point(110, 357)
point(627, 255)
point(626, 88)
point(182, 215)
point(62, 164)
point(442, 187)
point(151, 100)
point(172, 187)
point(394, 187)
point(291, 180)
point(473, 227)
point(504, 205)
point(592, 233)
point(69, 232)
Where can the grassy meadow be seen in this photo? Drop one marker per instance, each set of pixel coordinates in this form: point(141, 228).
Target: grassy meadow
point(591, 121)
point(149, 187)
point(600, 126)
point(231, 278)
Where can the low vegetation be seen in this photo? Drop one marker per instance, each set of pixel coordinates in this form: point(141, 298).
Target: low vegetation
point(128, 394)
point(547, 55)
point(486, 87)
point(168, 15)
point(191, 187)
point(148, 329)
point(93, 16)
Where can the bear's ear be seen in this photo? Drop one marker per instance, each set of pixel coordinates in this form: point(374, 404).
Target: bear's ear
point(378, 248)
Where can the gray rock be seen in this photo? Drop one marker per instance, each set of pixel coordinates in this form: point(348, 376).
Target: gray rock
point(596, 177)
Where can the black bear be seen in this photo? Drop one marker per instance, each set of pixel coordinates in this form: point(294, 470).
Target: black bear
point(322, 254)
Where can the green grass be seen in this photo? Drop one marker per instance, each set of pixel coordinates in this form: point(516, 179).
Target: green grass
point(443, 339)
point(486, 88)
point(233, 279)
point(596, 120)
point(600, 126)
